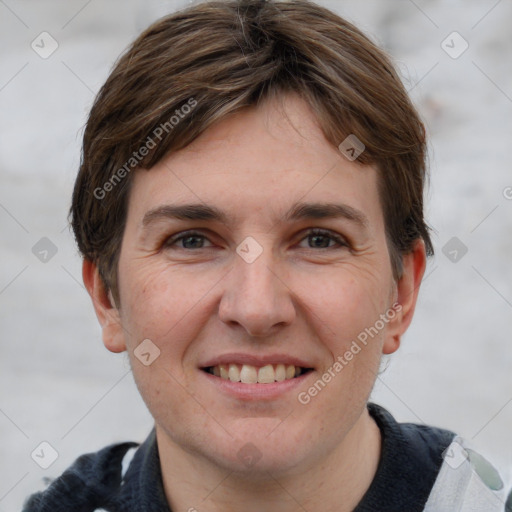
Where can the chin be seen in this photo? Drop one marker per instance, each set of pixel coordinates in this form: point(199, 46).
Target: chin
point(260, 446)
point(253, 462)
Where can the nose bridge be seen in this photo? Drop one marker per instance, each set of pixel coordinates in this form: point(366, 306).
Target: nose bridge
point(256, 280)
point(254, 296)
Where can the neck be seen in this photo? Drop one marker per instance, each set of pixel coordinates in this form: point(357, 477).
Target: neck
point(336, 482)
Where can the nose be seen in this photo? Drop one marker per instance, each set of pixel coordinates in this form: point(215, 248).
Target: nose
point(256, 297)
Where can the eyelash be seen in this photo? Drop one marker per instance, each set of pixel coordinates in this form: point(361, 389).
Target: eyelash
point(311, 233)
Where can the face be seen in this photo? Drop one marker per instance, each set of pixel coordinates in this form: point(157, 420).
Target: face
point(258, 253)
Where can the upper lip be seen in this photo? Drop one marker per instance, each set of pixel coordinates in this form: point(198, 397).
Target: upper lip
point(255, 360)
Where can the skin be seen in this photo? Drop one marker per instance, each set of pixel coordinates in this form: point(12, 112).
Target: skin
point(304, 296)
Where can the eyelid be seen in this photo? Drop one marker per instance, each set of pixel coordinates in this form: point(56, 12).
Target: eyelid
point(336, 237)
point(333, 235)
point(171, 240)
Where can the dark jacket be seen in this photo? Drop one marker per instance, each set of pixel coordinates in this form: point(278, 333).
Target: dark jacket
point(412, 456)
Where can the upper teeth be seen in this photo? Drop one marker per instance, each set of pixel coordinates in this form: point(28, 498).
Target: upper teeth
point(249, 374)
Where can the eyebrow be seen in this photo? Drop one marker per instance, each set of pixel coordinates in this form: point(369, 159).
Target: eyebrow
point(299, 211)
point(184, 212)
point(306, 211)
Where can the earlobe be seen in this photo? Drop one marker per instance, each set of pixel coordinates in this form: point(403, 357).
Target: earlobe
point(104, 306)
point(407, 288)
point(392, 344)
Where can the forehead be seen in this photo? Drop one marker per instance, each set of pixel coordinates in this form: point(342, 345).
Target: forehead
point(261, 160)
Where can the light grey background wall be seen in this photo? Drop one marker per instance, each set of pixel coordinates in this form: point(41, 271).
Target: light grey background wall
point(57, 382)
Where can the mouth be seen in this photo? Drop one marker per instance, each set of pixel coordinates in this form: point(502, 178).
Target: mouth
point(250, 374)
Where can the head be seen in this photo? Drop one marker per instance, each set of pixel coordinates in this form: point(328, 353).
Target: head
point(239, 109)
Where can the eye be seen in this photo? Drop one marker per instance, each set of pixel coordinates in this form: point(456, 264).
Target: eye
point(188, 239)
point(321, 239)
point(317, 238)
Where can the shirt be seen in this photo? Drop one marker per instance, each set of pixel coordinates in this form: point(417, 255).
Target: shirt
point(410, 463)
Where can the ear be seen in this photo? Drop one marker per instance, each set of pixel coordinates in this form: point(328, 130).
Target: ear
point(106, 311)
point(407, 288)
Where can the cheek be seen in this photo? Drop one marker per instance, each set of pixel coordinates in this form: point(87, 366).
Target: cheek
point(346, 309)
point(162, 305)
point(346, 302)
point(168, 397)
point(160, 299)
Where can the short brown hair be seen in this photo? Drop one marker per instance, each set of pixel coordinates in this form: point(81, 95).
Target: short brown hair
point(223, 56)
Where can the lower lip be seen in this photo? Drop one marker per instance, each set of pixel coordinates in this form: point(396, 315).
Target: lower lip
point(256, 391)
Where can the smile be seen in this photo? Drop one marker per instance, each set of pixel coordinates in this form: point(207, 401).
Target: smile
point(249, 374)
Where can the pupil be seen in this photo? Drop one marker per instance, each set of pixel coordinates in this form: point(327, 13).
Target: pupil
point(321, 237)
point(196, 238)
